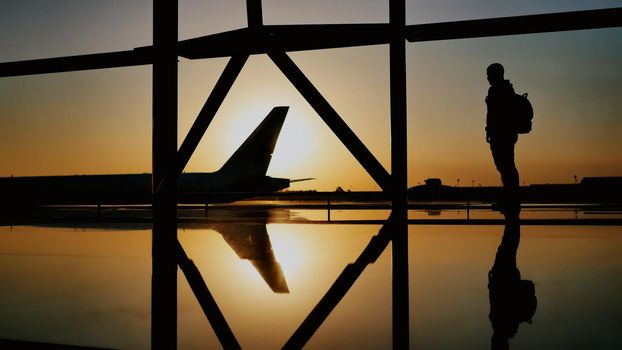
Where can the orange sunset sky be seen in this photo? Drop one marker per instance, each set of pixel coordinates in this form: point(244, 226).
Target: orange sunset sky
point(99, 122)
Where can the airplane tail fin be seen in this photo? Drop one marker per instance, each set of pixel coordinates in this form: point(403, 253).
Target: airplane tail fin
point(253, 157)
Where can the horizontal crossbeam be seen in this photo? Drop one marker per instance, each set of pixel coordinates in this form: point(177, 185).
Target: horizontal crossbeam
point(284, 38)
point(326, 36)
point(76, 63)
point(530, 24)
point(287, 38)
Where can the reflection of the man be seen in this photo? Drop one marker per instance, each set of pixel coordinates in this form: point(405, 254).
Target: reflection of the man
point(249, 239)
point(512, 300)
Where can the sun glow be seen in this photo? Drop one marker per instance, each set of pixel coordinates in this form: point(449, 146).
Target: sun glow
point(296, 145)
point(287, 250)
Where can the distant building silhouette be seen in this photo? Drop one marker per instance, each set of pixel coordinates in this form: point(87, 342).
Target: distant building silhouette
point(588, 190)
point(433, 182)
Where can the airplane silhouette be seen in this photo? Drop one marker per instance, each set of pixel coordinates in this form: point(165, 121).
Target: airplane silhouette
point(242, 174)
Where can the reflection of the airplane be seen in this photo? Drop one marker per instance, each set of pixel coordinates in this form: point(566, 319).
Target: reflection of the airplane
point(433, 212)
point(512, 300)
point(250, 241)
point(244, 230)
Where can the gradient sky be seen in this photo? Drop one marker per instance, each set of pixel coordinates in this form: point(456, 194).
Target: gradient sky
point(100, 121)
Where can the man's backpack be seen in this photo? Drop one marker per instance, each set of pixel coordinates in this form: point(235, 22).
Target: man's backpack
point(523, 113)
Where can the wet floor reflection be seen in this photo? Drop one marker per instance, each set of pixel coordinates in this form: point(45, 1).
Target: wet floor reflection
point(78, 283)
point(512, 299)
point(251, 241)
point(246, 233)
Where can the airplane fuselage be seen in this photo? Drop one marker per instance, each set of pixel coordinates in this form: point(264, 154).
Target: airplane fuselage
point(131, 188)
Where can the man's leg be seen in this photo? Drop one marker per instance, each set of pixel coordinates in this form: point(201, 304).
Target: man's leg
point(503, 155)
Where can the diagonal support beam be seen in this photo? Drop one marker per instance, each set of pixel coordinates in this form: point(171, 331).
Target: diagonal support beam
point(206, 300)
point(211, 106)
point(340, 288)
point(332, 119)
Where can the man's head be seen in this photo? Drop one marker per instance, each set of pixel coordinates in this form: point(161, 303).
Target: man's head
point(494, 73)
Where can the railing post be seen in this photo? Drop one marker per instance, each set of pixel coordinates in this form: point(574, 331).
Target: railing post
point(397, 52)
point(164, 153)
point(328, 206)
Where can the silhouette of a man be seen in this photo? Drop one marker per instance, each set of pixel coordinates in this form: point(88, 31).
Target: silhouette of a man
point(501, 134)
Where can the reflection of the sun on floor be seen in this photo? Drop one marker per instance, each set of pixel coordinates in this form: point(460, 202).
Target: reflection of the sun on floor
point(246, 272)
point(313, 256)
point(287, 250)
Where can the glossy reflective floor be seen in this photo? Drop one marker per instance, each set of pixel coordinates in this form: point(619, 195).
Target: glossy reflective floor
point(91, 286)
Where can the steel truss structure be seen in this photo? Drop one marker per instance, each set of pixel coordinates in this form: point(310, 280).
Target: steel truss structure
point(275, 41)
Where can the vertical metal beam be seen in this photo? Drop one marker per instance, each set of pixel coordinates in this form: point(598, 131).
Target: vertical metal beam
point(397, 52)
point(164, 148)
point(254, 13)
